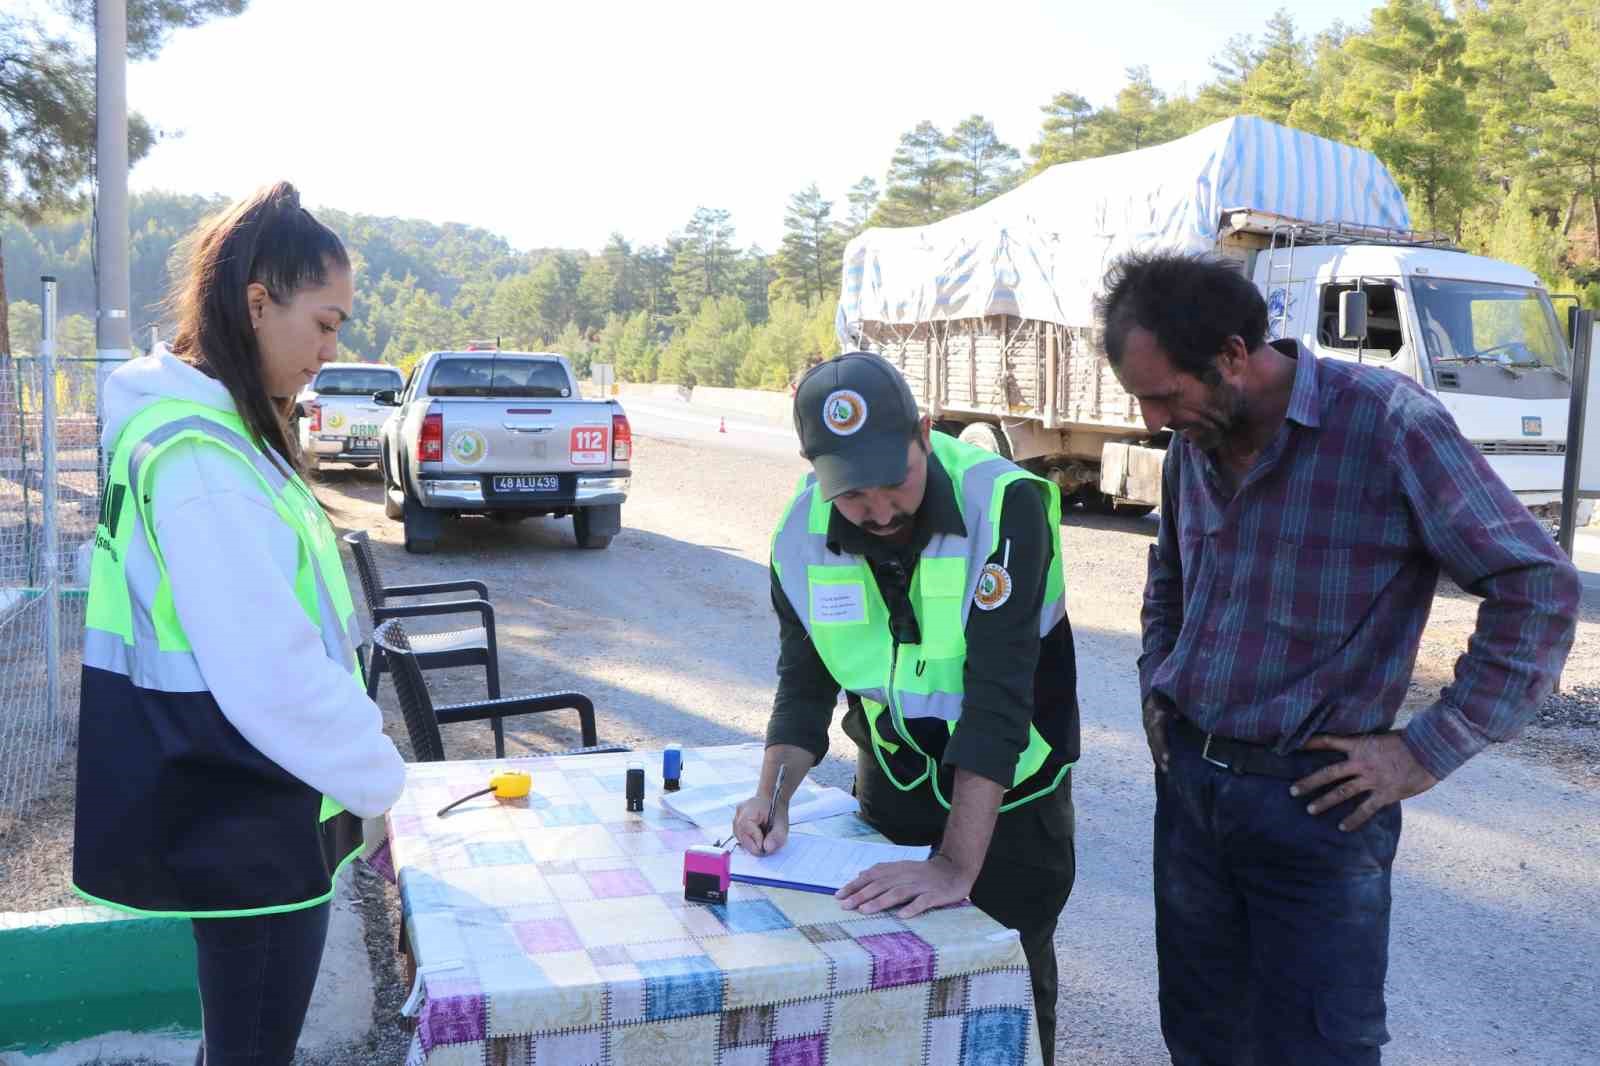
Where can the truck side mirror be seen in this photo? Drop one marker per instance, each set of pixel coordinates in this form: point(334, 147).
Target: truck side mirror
point(1353, 316)
point(387, 398)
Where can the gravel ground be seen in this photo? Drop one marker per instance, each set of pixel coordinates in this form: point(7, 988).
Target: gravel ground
point(671, 632)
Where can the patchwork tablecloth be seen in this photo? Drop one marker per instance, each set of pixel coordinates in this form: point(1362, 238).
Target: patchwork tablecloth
point(553, 930)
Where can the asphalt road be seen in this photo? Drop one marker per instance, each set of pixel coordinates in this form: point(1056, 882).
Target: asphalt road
point(1496, 925)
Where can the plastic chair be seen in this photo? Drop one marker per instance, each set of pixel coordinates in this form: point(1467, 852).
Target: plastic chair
point(423, 718)
point(473, 646)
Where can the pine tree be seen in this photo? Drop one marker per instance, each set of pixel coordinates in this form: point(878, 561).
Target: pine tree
point(47, 119)
point(703, 261)
point(921, 179)
point(985, 165)
point(1063, 137)
point(1136, 121)
point(809, 261)
point(1223, 97)
point(1506, 85)
point(1569, 144)
point(1407, 98)
point(863, 197)
point(1282, 76)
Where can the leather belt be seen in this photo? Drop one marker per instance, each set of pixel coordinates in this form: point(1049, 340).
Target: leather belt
point(1242, 757)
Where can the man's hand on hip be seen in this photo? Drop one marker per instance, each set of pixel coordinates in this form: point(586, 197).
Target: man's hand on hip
point(1378, 764)
point(1156, 716)
point(922, 886)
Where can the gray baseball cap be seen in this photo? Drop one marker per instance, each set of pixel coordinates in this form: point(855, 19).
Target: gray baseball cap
point(855, 416)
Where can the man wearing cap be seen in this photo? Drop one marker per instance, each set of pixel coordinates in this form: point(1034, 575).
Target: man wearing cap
point(923, 576)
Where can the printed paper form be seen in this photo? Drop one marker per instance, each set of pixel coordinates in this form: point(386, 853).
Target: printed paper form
point(712, 806)
point(826, 862)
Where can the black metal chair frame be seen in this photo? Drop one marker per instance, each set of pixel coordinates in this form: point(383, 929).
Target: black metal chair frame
point(377, 595)
point(423, 719)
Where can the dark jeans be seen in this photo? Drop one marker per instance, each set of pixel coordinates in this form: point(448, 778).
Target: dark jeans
point(256, 976)
point(1025, 880)
point(1272, 926)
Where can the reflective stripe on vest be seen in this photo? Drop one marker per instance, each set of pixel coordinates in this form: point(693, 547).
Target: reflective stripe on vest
point(838, 601)
point(131, 625)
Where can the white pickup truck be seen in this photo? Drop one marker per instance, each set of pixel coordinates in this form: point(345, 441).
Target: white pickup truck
point(507, 435)
point(338, 420)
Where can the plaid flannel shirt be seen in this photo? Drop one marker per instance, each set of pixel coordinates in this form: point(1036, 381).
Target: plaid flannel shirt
point(1297, 605)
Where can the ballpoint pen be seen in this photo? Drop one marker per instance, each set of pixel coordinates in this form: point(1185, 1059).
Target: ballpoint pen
point(772, 808)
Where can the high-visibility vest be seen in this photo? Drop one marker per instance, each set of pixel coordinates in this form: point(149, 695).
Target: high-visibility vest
point(178, 814)
point(837, 599)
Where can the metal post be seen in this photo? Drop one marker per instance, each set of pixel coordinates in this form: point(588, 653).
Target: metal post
point(1582, 365)
point(49, 546)
point(113, 340)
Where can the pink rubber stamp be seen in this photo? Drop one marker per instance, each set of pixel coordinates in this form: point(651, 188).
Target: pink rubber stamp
point(706, 871)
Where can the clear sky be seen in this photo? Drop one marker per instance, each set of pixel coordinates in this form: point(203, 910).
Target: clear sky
point(555, 122)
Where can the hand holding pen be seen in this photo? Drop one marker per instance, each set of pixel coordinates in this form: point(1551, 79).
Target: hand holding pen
point(757, 826)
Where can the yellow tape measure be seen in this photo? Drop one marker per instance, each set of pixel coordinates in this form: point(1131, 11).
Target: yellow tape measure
point(505, 784)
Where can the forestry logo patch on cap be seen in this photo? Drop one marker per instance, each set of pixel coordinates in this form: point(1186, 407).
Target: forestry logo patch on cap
point(844, 412)
point(994, 587)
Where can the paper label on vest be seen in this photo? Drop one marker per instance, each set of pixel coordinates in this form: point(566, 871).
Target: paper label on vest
point(839, 604)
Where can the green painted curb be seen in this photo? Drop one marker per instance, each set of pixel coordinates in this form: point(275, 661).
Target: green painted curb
point(84, 971)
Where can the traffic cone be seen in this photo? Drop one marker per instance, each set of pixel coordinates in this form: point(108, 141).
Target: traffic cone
point(722, 425)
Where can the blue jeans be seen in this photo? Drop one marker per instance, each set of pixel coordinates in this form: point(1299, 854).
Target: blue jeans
point(256, 976)
point(1272, 926)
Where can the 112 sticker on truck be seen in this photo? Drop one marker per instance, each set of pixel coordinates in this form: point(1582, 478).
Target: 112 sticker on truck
point(588, 446)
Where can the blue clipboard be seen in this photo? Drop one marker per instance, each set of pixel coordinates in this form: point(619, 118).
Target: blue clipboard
point(772, 882)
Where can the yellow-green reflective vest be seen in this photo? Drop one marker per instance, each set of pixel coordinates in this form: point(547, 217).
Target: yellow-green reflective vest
point(178, 814)
point(837, 600)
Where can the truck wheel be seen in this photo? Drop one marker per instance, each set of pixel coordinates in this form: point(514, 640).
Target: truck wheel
point(422, 527)
point(987, 435)
point(1097, 502)
point(583, 523)
point(391, 506)
point(1094, 501)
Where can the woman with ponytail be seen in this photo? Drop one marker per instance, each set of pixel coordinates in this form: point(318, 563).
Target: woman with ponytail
point(227, 751)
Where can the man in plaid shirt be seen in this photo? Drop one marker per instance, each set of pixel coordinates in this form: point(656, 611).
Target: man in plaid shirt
point(1307, 509)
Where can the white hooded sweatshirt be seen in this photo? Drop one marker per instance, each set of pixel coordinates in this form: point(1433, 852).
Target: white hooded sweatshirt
point(232, 563)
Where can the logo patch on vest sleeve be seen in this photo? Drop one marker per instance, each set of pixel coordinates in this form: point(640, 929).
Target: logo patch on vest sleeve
point(994, 587)
point(844, 411)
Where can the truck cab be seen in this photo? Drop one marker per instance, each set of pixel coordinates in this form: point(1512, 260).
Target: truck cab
point(1479, 334)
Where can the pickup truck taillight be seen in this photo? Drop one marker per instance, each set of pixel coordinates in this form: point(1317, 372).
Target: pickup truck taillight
point(430, 443)
point(314, 413)
point(621, 439)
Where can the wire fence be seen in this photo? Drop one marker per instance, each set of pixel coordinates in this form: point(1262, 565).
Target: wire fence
point(44, 562)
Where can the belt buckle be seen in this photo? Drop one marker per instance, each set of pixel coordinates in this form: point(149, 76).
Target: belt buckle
point(1205, 754)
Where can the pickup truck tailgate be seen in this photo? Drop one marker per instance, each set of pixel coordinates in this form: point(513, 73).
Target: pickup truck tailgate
point(349, 416)
point(483, 436)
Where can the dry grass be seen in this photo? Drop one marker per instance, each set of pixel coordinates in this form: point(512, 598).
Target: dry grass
point(36, 849)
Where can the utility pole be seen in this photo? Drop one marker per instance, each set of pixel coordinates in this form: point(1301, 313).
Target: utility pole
point(113, 341)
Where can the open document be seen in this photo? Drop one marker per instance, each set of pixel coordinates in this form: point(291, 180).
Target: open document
point(819, 864)
point(711, 806)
